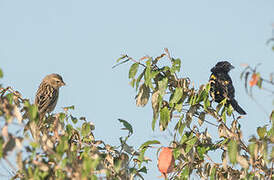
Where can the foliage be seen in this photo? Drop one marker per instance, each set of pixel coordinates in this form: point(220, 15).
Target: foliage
point(60, 150)
point(63, 146)
point(174, 101)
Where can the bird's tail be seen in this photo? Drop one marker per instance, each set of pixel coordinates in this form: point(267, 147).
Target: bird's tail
point(236, 107)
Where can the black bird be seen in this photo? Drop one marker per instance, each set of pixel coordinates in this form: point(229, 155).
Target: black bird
point(221, 85)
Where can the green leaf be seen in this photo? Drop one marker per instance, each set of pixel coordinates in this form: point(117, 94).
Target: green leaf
point(163, 86)
point(34, 145)
point(148, 73)
point(206, 103)
point(191, 101)
point(143, 170)
point(10, 97)
point(213, 173)
point(85, 130)
point(176, 65)
point(180, 126)
point(176, 96)
point(62, 146)
point(232, 151)
point(1, 146)
point(69, 129)
point(73, 119)
point(185, 173)
point(176, 153)
point(33, 112)
point(120, 63)
point(148, 143)
point(141, 155)
point(218, 108)
point(133, 70)
point(201, 96)
point(224, 114)
point(154, 73)
point(69, 107)
point(190, 143)
point(229, 110)
point(139, 79)
point(207, 88)
point(183, 139)
point(201, 151)
point(120, 58)
point(251, 148)
point(62, 117)
point(1, 73)
point(179, 106)
point(261, 131)
point(260, 81)
point(164, 117)
point(126, 125)
point(132, 82)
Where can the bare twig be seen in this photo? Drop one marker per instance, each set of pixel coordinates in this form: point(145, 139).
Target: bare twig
point(10, 89)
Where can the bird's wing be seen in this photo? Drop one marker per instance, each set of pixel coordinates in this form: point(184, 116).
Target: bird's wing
point(225, 83)
point(46, 96)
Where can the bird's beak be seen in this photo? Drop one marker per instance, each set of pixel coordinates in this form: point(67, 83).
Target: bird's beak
point(232, 67)
point(63, 83)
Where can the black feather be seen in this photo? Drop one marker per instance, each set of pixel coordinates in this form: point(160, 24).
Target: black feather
point(236, 107)
point(222, 86)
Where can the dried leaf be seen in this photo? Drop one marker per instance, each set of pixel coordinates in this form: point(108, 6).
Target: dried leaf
point(109, 159)
point(166, 161)
point(155, 106)
point(143, 96)
point(224, 160)
point(17, 114)
point(201, 118)
point(242, 161)
point(145, 57)
point(19, 160)
point(222, 131)
point(5, 131)
point(254, 79)
point(9, 146)
point(18, 142)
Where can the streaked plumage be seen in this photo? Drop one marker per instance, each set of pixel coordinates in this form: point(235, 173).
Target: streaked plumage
point(222, 86)
point(47, 94)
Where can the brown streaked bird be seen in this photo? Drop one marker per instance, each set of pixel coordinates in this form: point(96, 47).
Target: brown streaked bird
point(47, 94)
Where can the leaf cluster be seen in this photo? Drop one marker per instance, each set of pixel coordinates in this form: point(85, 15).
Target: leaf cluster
point(175, 101)
point(60, 146)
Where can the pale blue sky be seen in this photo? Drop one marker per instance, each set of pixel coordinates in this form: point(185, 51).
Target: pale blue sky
point(82, 39)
